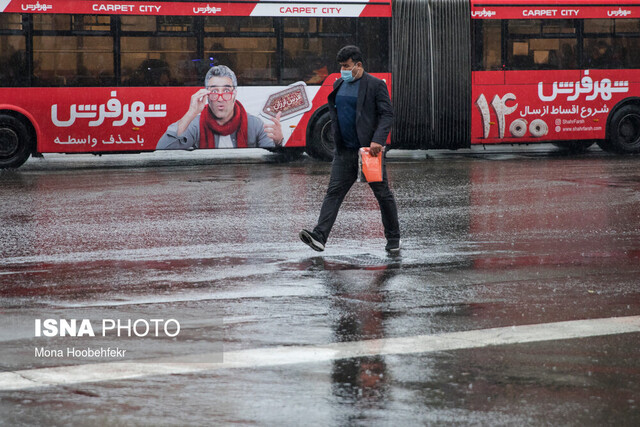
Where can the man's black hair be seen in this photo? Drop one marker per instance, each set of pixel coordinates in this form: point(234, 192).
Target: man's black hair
point(350, 52)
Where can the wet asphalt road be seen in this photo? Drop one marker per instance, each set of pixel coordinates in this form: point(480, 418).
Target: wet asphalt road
point(491, 239)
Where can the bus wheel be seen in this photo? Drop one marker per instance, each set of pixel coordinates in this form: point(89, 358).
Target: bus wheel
point(15, 143)
point(320, 144)
point(574, 147)
point(624, 131)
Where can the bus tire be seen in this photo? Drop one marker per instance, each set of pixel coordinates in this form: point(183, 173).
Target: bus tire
point(320, 144)
point(15, 142)
point(624, 131)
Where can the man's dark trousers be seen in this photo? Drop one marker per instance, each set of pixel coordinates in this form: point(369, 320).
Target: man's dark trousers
point(344, 172)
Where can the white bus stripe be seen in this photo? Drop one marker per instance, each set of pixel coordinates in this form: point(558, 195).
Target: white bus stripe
point(277, 356)
point(4, 4)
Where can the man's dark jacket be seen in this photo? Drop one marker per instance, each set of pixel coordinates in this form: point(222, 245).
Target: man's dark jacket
point(374, 114)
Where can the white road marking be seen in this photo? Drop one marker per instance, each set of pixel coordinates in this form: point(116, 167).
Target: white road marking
point(278, 356)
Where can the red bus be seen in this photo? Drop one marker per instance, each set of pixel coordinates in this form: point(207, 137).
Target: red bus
point(517, 71)
point(564, 71)
point(107, 77)
point(80, 76)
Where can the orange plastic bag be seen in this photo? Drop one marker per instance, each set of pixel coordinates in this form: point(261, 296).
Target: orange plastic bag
point(370, 168)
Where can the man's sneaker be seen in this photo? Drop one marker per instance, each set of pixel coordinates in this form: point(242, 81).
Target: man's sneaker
point(312, 239)
point(393, 246)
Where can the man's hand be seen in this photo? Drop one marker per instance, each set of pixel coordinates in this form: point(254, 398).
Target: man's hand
point(274, 131)
point(375, 149)
point(199, 101)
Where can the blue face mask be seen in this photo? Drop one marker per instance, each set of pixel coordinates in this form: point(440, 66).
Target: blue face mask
point(347, 75)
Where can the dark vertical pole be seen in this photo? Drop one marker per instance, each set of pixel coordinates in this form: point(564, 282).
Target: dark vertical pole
point(504, 28)
point(198, 28)
point(117, 62)
point(27, 27)
point(582, 61)
point(278, 24)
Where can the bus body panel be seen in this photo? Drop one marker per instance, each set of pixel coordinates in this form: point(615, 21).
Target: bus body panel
point(107, 119)
point(25, 113)
point(543, 106)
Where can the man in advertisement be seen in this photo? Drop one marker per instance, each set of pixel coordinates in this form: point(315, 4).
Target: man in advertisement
point(361, 116)
point(225, 124)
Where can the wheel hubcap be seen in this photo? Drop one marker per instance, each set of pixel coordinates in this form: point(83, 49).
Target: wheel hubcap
point(9, 142)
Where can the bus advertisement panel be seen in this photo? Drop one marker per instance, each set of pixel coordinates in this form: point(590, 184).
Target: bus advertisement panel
point(535, 106)
point(75, 120)
point(119, 119)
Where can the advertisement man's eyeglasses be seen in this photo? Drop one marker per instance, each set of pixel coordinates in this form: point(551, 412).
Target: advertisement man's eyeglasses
point(225, 95)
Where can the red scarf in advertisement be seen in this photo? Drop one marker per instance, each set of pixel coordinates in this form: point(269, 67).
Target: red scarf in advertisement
point(209, 127)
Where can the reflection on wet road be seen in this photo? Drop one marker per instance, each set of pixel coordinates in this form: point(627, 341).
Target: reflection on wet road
point(490, 240)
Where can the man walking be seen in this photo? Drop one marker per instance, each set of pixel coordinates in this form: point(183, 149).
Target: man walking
point(361, 116)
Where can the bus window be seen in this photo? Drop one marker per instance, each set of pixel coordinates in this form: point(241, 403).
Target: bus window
point(72, 50)
point(71, 22)
point(154, 61)
point(247, 45)
point(234, 24)
point(251, 58)
point(72, 60)
point(628, 32)
point(13, 57)
point(310, 46)
point(373, 40)
point(174, 23)
point(488, 45)
point(599, 53)
point(10, 22)
point(156, 51)
point(539, 44)
point(156, 23)
point(627, 27)
point(611, 43)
